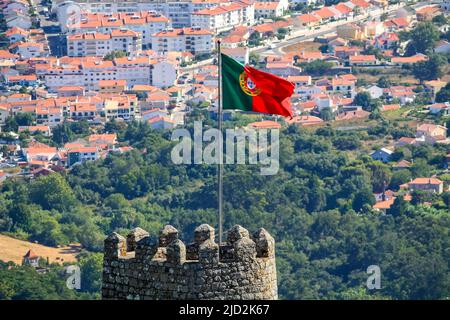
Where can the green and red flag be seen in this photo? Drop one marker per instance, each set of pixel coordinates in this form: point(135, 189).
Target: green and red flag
point(248, 89)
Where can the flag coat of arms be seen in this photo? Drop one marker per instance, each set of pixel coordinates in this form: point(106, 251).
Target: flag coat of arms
point(248, 89)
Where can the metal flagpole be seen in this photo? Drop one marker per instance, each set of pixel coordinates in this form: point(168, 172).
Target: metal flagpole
point(220, 165)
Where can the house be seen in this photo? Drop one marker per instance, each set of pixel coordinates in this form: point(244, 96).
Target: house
point(363, 60)
point(282, 69)
point(383, 205)
point(382, 154)
point(440, 108)
point(375, 91)
point(304, 120)
point(264, 124)
point(402, 93)
point(405, 141)
point(427, 13)
point(308, 20)
point(351, 115)
point(82, 154)
point(240, 54)
point(433, 185)
point(432, 133)
point(109, 139)
point(374, 29)
point(300, 81)
point(152, 113)
point(350, 31)
point(161, 123)
point(45, 130)
point(399, 61)
point(16, 34)
point(402, 164)
point(265, 10)
point(31, 259)
point(344, 86)
point(434, 86)
point(443, 46)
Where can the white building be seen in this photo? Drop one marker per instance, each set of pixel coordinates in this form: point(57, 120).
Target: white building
point(178, 11)
point(264, 10)
point(240, 54)
point(88, 72)
point(224, 17)
point(194, 40)
point(145, 23)
point(100, 44)
point(164, 74)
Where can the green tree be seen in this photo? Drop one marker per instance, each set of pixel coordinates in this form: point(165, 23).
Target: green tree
point(91, 267)
point(364, 100)
point(424, 37)
point(114, 54)
point(444, 94)
point(317, 67)
point(430, 69)
point(52, 192)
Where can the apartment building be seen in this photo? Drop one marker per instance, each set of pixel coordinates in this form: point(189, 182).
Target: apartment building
point(144, 23)
point(272, 9)
point(194, 40)
point(224, 17)
point(86, 72)
point(178, 11)
point(99, 44)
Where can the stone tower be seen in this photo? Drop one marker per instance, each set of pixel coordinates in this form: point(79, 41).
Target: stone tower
point(242, 268)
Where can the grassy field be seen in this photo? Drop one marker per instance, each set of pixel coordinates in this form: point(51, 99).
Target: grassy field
point(13, 250)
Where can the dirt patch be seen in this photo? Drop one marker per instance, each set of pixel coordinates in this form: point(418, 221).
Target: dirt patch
point(13, 250)
point(306, 46)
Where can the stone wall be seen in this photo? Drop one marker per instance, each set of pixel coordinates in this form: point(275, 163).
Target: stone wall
point(242, 268)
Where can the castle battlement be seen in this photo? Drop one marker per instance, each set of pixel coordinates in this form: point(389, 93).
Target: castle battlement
point(136, 267)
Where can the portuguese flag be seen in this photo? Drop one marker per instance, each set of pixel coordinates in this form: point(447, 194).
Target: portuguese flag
point(248, 89)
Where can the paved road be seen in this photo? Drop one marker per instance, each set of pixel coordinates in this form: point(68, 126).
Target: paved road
point(305, 35)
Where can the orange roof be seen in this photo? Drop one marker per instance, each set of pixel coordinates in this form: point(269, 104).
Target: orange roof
point(433, 181)
point(304, 120)
point(384, 204)
point(88, 36)
point(324, 13)
point(265, 124)
point(5, 54)
point(362, 58)
point(221, 9)
point(83, 150)
point(343, 8)
point(31, 255)
point(159, 118)
point(308, 18)
point(182, 31)
point(299, 78)
point(105, 137)
point(70, 88)
point(123, 33)
point(110, 83)
point(266, 5)
point(413, 59)
point(360, 3)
